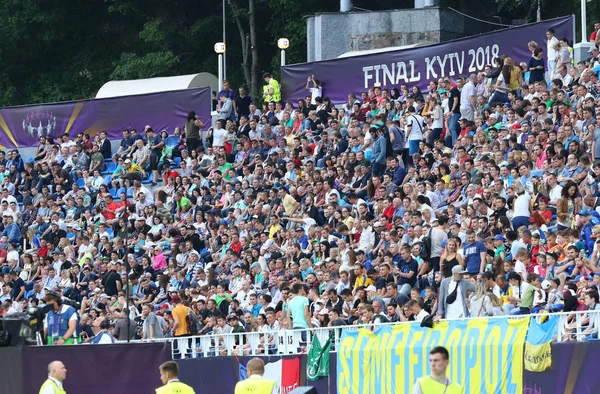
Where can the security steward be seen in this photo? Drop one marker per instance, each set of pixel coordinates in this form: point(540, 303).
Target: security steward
point(60, 323)
point(56, 375)
point(437, 382)
point(255, 383)
point(169, 373)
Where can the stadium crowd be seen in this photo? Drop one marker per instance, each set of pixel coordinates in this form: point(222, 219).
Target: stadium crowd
point(476, 197)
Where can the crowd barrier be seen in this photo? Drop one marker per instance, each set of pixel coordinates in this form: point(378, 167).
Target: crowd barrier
point(294, 342)
point(133, 367)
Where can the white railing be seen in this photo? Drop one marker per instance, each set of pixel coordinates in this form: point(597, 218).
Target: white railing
point(293, 342)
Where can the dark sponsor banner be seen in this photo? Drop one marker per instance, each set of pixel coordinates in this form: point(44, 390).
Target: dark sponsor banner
point(418, 66)
point(98, 369)
point(220, 374)
point(23, 126)
point(575, 370)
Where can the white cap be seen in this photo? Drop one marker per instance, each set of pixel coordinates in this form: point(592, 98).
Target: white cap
point(545, 284)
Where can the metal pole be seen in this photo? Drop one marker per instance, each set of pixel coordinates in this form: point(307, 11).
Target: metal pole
point(224, 76)
point(539, 10)
point(282, 57)
point(221, 71)
point(583, 22)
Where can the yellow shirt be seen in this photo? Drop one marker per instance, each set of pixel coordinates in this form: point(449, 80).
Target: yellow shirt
point(289, 204)
point(514, 79)
point(181, 312)
point(428, 385)
point(175, 387)
point(136, 167)
point(363, 280)
point(273, 230)
point(255, 385)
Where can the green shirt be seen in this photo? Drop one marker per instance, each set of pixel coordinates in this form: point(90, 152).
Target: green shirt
point(527, 300)
point(225, 170)
point(296, 306)
point(184, 202)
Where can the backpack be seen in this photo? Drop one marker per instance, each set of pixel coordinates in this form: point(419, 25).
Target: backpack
point(192, 322)
point(425, 251)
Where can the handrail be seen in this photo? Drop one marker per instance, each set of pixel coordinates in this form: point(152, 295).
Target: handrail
point(293, 342)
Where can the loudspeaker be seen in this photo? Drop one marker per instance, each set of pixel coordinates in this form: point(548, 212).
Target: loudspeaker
point(304, 390)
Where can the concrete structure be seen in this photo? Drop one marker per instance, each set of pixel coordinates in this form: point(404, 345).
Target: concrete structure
point(160, 84)
point(330, 35)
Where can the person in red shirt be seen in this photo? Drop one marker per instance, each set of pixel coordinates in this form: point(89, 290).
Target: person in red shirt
point(44, 249)
point(542, 215)
point(111, 210)
point(169, 173)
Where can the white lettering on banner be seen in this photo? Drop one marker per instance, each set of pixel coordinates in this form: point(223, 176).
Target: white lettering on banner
point(460, 62)
point(401, 73)
point(392, 74)
point(450, 64)
point(367, 75)
point(377, 68)
point(429, 66)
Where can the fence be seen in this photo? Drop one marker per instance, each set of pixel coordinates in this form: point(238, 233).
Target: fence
point(571, 326)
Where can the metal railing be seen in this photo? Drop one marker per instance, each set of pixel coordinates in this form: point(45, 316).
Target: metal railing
point(571, 326)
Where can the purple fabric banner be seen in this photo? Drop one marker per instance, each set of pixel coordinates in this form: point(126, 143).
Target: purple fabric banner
point(22, 126)
point(575, 370)
point(417, 66)
point(98, 369)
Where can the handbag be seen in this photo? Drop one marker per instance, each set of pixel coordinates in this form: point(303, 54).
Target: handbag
point(452, 296)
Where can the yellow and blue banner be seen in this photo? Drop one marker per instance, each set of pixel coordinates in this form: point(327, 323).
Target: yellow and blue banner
point(486, 356)
point(538, 344)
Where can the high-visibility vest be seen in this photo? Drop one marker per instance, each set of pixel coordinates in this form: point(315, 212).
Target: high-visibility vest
point(431, 386)
point(255, 385)
point(175, 388)
point(50, 382)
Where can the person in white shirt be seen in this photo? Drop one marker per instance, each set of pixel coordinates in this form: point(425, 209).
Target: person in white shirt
point(100, 327)
point(367, 236)
point(417, 310)
point(551, 53)
point(468, 94)
point(316, 90)
point(219, 133)
point(57, 373)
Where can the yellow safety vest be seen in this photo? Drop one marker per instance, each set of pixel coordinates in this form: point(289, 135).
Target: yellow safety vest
point(175, 388)
point(431, 386)
point(255, 386)
point(50, 382)
point(276, 97)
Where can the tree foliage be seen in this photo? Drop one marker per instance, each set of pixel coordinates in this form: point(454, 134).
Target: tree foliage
point(55, 50)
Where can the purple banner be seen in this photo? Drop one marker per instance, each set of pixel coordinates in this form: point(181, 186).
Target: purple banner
point(220, 374)
point(98, 369)
point(417, 66)
point(22, 126)
point(575, 370)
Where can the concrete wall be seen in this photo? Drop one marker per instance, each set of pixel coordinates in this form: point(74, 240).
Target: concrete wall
point(332, 34)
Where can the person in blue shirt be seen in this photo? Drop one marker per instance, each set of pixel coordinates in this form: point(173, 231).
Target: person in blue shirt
point(378, 154)
point(475, 254)
point(586, 232)
point(11, 229)
point(407, 277)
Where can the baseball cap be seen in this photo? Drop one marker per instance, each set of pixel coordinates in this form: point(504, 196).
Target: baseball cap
point(371, 288)
point(545, 285)
point(585, 212)
point(592, 48)
point(255, 264)
point(499, 237)
point(127, 161)
point(457, 269)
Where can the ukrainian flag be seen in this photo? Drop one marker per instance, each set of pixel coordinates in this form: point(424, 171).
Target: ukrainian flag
point(538, 344)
